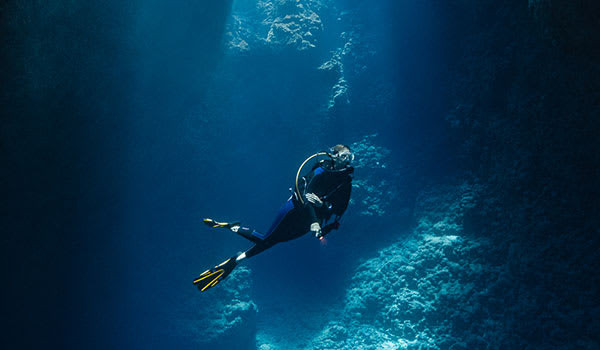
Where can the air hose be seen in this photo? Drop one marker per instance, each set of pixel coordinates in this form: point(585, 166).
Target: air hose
point(300, 169)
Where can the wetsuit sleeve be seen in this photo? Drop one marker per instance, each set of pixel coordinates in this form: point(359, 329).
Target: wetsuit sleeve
point(312, 213)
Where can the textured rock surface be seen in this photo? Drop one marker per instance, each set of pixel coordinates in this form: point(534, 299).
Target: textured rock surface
point(444, 288)
point(335, 66)
point(299, 29)
point(431, 290)
point(527, 129)
point(225, 318)
point(372, 192)
point(280, 24)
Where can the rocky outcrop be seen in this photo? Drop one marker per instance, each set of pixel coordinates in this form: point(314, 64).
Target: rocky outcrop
point(437, 289)
point(294, 24)
point(474, 274)
point(528, 129)
point(335, 66)
point(299, 29)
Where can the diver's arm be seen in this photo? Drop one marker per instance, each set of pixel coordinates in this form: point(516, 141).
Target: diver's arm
point(312, 214)
point(315, 226)
point(313, 201)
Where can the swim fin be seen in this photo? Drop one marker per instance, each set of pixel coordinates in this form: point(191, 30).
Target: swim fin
point(213, 223)
point(212, 277)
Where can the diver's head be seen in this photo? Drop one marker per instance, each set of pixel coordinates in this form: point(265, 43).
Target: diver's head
point(341, 156)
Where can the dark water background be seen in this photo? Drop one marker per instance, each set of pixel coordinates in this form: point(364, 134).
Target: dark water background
point(124, 124)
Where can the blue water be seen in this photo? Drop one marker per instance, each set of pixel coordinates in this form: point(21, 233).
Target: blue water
point(126, 124)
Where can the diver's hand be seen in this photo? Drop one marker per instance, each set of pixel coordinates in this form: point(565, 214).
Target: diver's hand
point(314, 199)
point(316, 228)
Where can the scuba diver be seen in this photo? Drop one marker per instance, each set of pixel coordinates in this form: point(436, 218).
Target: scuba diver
point(324, 192)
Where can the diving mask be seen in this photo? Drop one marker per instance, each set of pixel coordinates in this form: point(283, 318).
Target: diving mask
point(344, 156)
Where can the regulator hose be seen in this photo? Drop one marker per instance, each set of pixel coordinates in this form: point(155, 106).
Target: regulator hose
point(300, 169)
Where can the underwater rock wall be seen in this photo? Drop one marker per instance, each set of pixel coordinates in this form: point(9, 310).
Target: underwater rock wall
point(438, 288)
point(529, 127)
point(447, 286)
point(378, 188)
point(504, 253)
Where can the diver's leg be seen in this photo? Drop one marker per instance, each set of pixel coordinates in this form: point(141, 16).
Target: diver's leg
point(259, 238)
point(236, 227)
point(255, 249)
point(293, 225)
point(248, 233)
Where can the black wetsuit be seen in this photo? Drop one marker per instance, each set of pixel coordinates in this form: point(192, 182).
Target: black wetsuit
point(333, 187)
